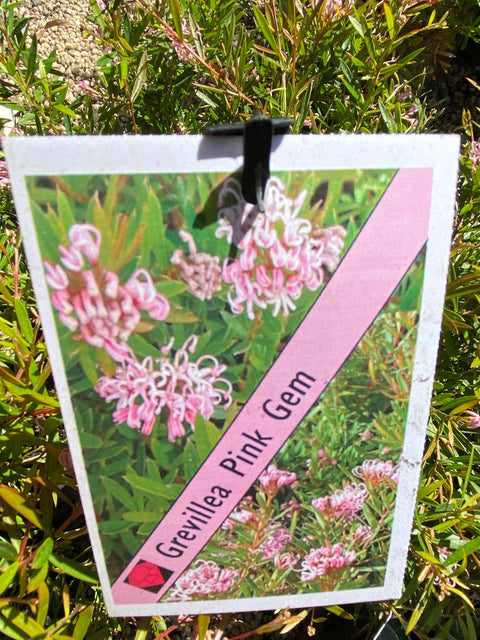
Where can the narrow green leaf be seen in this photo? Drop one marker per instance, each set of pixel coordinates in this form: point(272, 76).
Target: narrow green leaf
point(182, 317)
point(8, 551)
point(119, 493)
point(469, 547)
point(64, 109)
point(341, 613)
point(170, 492)
point(356, 25)
point(123, 68)
point(37, 578)
point(265, 28)
point(389, 19)
point(18, 502)
point(9, 378)
point(32, 58)
point(203, 622)
point(387, 117)
point(155, 239)
point(43, 603)
point(43, 553)
point(83, 622)
point(141, 516)
point(176, 12)
point(141, 76)
point(73, 568)
point(201, 438)
point(23, 320)
point(191, 461)
point(7, 576)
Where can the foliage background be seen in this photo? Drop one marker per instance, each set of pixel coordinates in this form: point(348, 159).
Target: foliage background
point(178, 66)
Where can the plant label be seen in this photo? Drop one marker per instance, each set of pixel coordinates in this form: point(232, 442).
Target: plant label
point(245, 392)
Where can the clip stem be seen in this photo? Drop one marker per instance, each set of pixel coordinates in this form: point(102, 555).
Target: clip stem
point(257, 143)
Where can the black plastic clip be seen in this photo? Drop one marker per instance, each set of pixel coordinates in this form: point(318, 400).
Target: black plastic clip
point(257, 142)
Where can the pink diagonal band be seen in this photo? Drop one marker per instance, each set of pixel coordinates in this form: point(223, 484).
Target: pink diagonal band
point(373, 267)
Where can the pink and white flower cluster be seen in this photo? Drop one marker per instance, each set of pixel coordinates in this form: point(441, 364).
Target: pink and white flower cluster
point(326, 561)
point(285, 561)
point(206, 579)
point(375, 472)
point(243, 516)
point(274, 542)
point(4, 179)
point(281, 252)
point(185, 388)
point(92, 302)
point(343, 503)
point(334, 8)
point(273, 479)
point(201, 272)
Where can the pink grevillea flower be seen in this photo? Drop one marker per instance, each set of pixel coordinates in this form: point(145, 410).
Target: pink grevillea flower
point(326, 561)
point(274, 542)
point(207, 578)
point(375, 472)
point(344, 503)
point(184, 388)
point(242, 516)
point(473, 421)
point(334, 8)
point(285, 561)
point(362, 535)
point(323, 460)
point(184, 50)
point(200, 271)
point(4, 179)
point(281, 252)
point(273, 479)
point(474, 154)
point(91, 301)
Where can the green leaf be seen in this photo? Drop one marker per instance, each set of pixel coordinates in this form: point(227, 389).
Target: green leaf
point(203, 622)
point(202, 441)
point(43, 553)
point(265, 28)
point(16, 624)
point(37, 578)
point(83, 622)
point(191, 461)
point(142, 516)
point(18, 502)
point(32, 58)
point(170, 288)
point(387, 117)
point(23, 319)
point(8, 551)
point(176, 12)
point(7, 576)
point(64, 109)
point(389, 19)
point(141, 76)
point(356, 25)
point(469, 547)
point(182, 317)
point(90, 441)
point(155, 487)
point(341, 613)
point(73, 568)
point(43, 603)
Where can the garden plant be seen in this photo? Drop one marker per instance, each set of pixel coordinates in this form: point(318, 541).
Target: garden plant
point(178, 66)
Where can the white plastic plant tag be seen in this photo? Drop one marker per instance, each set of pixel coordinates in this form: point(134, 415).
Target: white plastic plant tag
point(245, 394)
